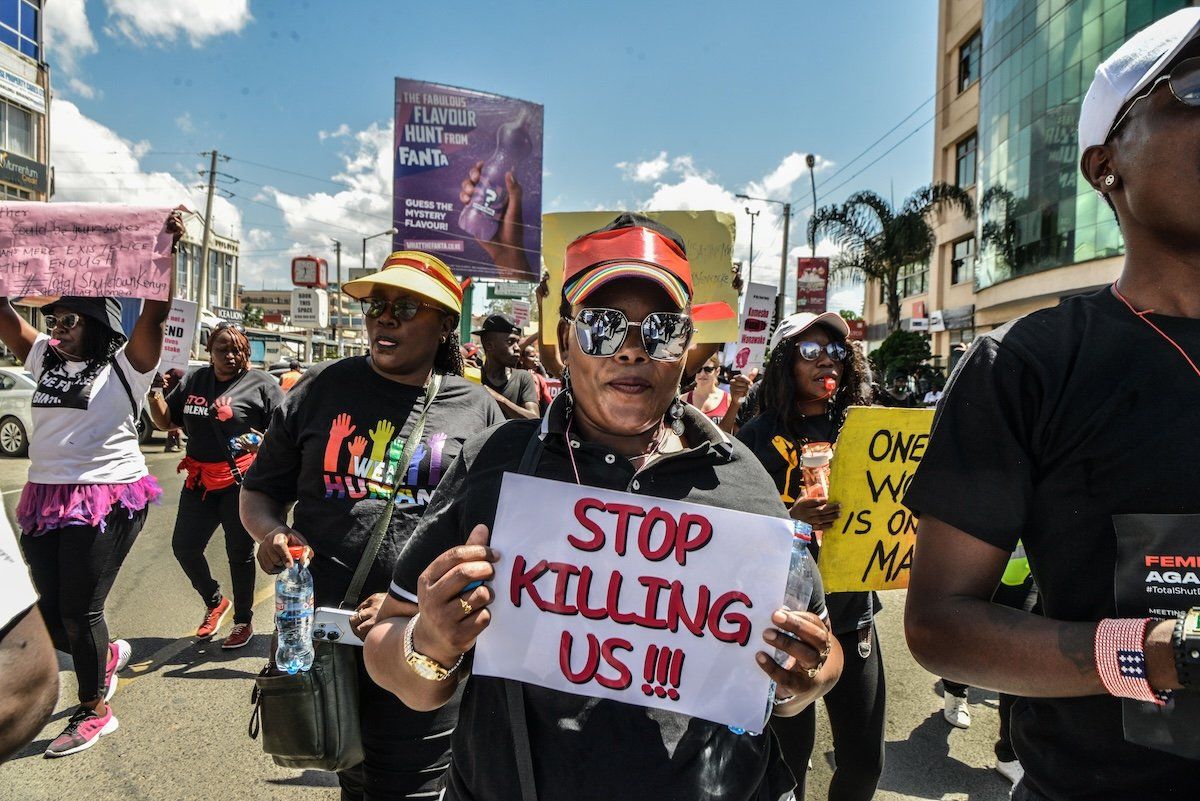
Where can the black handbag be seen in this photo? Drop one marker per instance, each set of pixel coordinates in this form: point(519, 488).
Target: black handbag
point(310, 720)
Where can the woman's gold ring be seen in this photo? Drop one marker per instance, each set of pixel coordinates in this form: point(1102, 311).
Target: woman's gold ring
point(466, 607)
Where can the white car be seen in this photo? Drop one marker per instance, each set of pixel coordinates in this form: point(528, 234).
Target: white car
point(16, 419)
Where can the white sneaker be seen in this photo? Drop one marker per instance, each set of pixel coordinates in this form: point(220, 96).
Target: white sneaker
point(956, 711)
point(1011, 771)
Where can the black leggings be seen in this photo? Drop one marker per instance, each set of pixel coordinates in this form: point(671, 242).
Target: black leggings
point(73, 569)
point(199, 516)
point(856, 717)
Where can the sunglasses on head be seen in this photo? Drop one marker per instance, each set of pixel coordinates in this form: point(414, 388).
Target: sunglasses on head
point(601, 332)
point(403, 309)
point(66, 321)
point(1183, 81)
point(811, 351)
point(221, 326)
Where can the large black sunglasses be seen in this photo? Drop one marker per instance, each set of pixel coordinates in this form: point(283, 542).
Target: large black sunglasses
point(1184, 83)
point(811, 351)
point(601, 332)
point(403, 309)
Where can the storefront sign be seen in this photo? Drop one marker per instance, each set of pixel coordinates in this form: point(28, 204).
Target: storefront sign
point(89, 249)
point(812, 284)
point(640, 600)
point(870, 546)
point(23, 172)
point(936, 322)
point(445, 136)
point(22, 91)
point(232, 315)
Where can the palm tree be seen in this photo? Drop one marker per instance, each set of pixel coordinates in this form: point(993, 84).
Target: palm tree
point(1000, 231)
point(878, 240)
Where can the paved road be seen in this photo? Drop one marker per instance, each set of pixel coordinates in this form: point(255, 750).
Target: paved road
point(184, 704)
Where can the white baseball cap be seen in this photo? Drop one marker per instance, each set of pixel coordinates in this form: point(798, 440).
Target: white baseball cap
point(1127, 72)
point(799, 322)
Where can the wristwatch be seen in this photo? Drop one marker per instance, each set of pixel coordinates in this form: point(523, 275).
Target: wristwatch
point(1186, 640)
point(422, 665)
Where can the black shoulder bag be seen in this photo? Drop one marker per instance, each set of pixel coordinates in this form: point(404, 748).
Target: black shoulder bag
point(310, 720)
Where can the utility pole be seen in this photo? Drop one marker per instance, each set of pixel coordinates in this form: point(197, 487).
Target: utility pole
point(204, 245)
point(811, 161)
point(337, 298)
point(783, 264)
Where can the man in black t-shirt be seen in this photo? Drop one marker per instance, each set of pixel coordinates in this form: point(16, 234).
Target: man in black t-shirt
point(1076, 430)
point(514, 389)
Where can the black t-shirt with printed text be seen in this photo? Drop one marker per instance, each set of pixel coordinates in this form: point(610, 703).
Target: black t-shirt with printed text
point(780, 455)
point(1049, 427)
point(327, 449)
point(238, 405)
point(586, 748)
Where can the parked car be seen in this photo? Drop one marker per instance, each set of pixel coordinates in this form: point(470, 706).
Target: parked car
point(16, 417)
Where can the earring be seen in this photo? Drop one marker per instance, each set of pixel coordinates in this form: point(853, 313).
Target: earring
point(674, 416)
point(1110, 181)
point(568, 396)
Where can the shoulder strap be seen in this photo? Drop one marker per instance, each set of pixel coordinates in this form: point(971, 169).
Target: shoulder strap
point(116, 368)
point(513, 692)
point(385, 520)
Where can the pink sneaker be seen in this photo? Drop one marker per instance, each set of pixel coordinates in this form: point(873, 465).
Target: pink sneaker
point(83, 730)
point(118, 657)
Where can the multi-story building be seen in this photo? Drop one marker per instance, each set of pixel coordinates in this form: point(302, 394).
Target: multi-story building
point(344, 313)
point(24, 103)
point(222, 264)
point(1011, 76)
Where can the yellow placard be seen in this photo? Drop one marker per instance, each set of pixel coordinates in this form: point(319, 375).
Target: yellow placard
point(870, 546)
point(709, 239)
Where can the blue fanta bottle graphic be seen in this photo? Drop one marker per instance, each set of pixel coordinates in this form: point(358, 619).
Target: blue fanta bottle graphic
point(797, 595)
point(481, 217)
point(294, 614)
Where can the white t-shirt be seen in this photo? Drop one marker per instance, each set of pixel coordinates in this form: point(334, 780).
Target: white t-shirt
point(16, 590)
point(86, 435)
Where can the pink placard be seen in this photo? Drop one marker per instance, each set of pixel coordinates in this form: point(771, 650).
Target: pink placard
point(89, 249)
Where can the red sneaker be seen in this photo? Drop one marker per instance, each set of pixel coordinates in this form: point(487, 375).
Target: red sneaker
point(241, 634)
point(212, 618)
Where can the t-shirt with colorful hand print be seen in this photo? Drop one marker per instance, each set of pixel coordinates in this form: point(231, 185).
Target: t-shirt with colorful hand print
point(239, 405)
point(327, 449)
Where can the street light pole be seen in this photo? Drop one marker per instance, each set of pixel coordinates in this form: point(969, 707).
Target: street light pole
point(388, 232)
point(783, 271)
point(750, 269)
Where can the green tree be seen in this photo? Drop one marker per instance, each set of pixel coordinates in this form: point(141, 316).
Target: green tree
point(902, 351)
point(253, 316)
point(849, 315)
point(878, 240)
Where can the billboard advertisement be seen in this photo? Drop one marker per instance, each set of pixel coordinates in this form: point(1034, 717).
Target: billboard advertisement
point(709, 239)
point(468, 179)
point(812, 283)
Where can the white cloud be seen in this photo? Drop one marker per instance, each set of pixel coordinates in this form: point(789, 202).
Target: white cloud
point(162, 21)
point(679, 183)
point(362, 208)
point(340, 131)
point(93, 163)
point(184, 122)
point(68, 38)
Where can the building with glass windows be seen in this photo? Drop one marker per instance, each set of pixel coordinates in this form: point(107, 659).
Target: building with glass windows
point(24, 103)
point(1011, 76)
point(222, 264)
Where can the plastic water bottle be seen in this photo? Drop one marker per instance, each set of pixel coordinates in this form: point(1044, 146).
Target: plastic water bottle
point(294, 614)
point(245, 442)
point(481, 217)
point(796, 596)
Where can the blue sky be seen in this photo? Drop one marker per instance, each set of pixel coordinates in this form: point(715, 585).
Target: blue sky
point(652, 104)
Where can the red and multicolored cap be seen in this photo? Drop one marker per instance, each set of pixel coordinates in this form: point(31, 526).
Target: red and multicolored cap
point(601, 257)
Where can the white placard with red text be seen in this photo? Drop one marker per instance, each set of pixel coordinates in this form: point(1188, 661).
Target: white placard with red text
point(178, 334)
point(637, 599)
point(754, 331)
point(521, 310)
